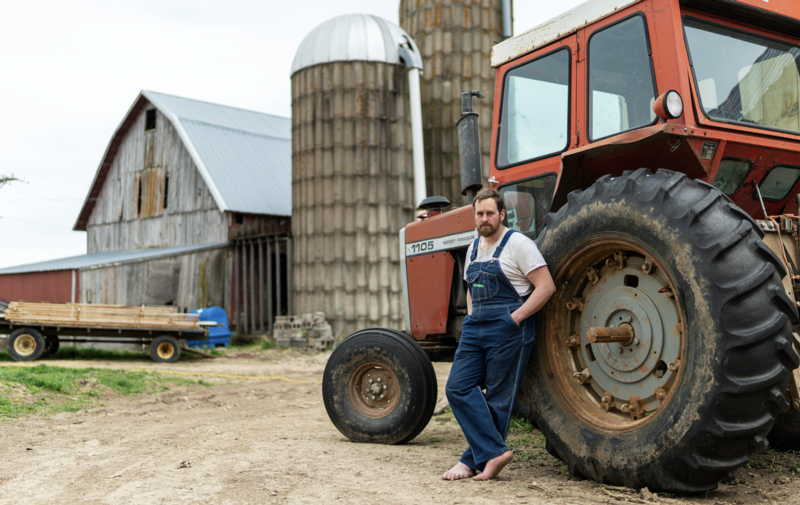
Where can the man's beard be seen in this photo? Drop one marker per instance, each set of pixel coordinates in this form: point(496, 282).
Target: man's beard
point(487, 230)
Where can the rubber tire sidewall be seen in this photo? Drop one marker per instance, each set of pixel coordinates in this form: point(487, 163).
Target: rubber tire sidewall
point(154, 349)
point(417, 388)
point(665, 453)
point(38, 338)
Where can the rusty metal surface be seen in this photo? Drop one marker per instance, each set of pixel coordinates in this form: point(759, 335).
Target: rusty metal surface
point(373, 389)
point(614, 386)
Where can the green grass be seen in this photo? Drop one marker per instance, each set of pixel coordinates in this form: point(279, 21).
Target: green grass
point(48, 389)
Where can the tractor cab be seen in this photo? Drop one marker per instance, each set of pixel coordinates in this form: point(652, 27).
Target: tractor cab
point(688, 86)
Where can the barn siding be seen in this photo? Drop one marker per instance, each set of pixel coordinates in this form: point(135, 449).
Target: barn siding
point(54, 286)
point(189, 281)
point(191, 216)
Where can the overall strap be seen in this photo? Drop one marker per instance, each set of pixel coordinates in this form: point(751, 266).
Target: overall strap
point(503, 244)
point(474, 249)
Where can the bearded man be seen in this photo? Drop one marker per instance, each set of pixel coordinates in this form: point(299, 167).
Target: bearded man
point(508, 283)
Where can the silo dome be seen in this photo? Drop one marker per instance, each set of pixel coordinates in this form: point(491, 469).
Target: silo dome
point(357, 37)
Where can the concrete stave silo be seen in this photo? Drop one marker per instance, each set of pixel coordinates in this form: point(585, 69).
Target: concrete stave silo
point(455, 38)
point(352, 171)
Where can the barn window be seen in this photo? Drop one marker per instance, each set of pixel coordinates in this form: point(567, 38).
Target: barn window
point(166, 190)
point(150, 120)
point(150, 192)
point(239, 218)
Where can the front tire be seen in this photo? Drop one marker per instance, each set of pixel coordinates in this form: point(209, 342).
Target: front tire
point(379, 387)
point(688, 271)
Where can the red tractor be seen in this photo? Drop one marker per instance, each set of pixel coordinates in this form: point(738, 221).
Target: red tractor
point(667, 356)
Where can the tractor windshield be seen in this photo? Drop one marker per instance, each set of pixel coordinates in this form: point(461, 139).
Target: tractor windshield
point(745, 78)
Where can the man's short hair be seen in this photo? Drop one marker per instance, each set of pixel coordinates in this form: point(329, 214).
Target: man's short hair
point(488, 193)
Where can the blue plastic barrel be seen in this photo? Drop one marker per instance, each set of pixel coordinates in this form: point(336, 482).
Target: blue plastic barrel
point(218, 335)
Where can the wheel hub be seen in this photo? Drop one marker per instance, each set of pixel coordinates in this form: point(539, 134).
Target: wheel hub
point(25, 345)
point(373, 389)
point(625, 334)
point(165, 350)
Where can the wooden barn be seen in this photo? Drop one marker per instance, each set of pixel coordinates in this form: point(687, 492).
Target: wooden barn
point(191, 207)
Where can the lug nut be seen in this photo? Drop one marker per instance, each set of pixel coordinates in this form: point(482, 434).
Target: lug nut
point(381, 396)
point(384, 387)
point(628, 319)
point(379, 379)
point(635, 341)
point(370, 381)
point(625, 408)
point(373, 397)
point(661, 396)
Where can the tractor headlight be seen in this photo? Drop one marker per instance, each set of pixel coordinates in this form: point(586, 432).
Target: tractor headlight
point(669, 105)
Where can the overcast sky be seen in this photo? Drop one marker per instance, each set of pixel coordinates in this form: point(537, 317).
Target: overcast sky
point(69, 71)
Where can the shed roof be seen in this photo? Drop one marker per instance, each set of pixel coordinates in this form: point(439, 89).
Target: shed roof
point(244, 157)
point(107, 258)
point(356, 37)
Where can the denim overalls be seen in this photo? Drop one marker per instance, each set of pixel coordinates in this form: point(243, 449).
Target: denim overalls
point(493, 353)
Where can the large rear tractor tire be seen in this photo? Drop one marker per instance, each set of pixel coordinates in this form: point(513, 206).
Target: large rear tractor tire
point(380, 387)
point(694, 391)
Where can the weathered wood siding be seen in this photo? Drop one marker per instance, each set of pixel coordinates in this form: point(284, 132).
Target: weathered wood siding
point(189, 281)
point(154, 159)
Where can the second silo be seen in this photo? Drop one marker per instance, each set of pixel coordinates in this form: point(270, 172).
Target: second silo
point(456, 39)
point(352, 170)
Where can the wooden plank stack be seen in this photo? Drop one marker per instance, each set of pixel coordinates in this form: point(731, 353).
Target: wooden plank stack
point(100, 316)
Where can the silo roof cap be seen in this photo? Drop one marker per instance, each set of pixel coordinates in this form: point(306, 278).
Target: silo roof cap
point(357, 37)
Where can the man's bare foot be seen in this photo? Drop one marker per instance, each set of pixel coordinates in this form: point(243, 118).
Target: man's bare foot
point(494, 465)
point(460, 471)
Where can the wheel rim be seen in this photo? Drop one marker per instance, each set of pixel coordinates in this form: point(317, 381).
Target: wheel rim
point(615, 386)
point(25, 344)
point(373, 389)
point(165, 350)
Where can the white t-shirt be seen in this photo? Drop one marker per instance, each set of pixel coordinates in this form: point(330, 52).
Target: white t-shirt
point(519, 258)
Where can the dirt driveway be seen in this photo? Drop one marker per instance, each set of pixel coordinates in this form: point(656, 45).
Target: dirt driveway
point(270, 441)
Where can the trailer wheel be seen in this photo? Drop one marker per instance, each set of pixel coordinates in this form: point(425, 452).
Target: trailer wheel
point(694, 392)
point(51, 345)
point(25, 344)
point(379, 387)
point(165, 349)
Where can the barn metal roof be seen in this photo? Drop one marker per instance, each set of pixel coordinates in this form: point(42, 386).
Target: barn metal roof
point(356, 37)
point(244, 157)
point(107, 258)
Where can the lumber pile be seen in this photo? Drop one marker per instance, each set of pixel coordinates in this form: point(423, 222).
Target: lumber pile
point(101, 316)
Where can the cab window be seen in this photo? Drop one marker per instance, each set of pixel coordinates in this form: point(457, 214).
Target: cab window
point(744, 78)
point(534, 119)
point(527, 202)
point(621, 84)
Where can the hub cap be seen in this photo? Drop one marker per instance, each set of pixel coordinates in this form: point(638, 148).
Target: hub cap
point(615, 385)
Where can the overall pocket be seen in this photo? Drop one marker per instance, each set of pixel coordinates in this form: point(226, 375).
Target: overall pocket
point(482, 285)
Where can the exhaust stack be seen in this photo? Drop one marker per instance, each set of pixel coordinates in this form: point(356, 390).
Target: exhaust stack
point(469, 146)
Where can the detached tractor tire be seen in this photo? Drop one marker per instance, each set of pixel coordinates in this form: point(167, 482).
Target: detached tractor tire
point(165, 349)
point(379, 387)
point(25, 344)
point(686, 402)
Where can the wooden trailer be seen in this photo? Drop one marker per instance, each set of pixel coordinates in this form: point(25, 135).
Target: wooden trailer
point(36, 329)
